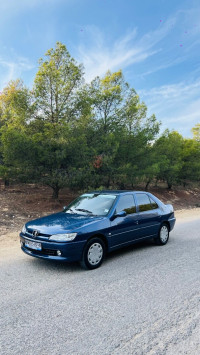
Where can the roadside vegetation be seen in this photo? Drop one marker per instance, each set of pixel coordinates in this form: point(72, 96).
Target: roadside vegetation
point(65, 133)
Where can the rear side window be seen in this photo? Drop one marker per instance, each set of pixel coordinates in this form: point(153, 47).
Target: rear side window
point(153, 203)
point(144, 203)
point(126, 203)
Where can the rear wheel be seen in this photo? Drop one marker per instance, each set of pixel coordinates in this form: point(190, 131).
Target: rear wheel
point(93, 254)
point(163, 235)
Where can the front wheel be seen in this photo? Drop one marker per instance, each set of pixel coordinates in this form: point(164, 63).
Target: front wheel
point(93, 254)
point(163, 235)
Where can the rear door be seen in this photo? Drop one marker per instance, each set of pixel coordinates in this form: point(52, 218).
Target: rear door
point(124, 229)
point(149, 217)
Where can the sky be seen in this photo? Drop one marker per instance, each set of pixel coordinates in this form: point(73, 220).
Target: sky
point(155, 43)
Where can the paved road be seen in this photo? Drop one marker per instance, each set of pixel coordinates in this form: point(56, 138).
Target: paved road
point(143, 300)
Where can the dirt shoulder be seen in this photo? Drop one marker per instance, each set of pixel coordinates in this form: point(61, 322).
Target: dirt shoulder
point(187, 214)
point(21, 203)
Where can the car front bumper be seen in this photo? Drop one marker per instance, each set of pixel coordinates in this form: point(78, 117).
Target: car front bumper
point(70, 251)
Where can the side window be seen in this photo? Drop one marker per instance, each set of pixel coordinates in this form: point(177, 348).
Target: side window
point(153, 204)
point(144, 202)
point(126, 203)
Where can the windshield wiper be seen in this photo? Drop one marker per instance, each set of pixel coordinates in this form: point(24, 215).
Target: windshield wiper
point(83, 210)
point(69, 209)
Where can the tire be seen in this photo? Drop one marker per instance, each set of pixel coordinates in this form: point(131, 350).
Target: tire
point(163, 235)
point(93, 254)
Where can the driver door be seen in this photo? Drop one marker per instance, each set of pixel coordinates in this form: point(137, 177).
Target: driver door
point(124, 230)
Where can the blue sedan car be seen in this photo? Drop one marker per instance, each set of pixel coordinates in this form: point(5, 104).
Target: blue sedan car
point(97, 223)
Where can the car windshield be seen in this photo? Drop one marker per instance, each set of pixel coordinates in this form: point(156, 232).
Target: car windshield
point(92, 204)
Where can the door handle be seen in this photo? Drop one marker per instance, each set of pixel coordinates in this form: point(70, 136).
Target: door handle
point(136, 222)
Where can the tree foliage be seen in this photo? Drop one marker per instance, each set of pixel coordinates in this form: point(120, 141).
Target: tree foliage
point(67, 133)
point(196, 132)
point(56, 83)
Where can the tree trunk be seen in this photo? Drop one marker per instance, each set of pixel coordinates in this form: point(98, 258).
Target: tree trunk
point(169, 185)
point(56, 190)
point(108, 182)
point(147, 185)
point(156, 182)
point(121, 186)
point(6, 182)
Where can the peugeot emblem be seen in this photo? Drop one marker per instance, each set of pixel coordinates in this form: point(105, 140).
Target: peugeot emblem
point(35, 234)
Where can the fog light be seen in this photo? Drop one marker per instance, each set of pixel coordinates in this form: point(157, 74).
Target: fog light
point(58, 252)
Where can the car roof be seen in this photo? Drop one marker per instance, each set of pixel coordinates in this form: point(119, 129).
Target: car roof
point(123, 192)
point(115, 192)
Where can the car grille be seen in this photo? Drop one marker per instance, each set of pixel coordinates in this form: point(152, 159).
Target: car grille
point(30, 233)
point(51, 252)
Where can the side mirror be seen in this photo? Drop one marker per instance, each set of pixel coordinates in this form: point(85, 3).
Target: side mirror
point(119, 214)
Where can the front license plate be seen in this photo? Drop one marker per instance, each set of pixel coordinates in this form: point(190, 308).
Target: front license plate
point(33, 245)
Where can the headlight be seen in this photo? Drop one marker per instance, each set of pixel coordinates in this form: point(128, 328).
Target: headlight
point(63, 237)
point(24, 229)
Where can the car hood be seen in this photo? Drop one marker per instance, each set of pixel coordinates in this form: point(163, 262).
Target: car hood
point(61, 222)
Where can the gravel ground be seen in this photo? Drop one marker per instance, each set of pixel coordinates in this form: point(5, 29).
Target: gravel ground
point(143, 299)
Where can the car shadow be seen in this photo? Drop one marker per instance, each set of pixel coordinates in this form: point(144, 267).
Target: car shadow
point(55, 266)
point(63, 267)
point(130, 249)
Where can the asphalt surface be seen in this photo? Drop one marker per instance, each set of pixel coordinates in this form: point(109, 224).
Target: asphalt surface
point(143, 300)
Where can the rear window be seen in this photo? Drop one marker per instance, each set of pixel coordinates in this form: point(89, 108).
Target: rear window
point(144, 202)
point(153, 203)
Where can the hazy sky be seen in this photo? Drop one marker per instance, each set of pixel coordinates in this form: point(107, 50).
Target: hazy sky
point(156, 44)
